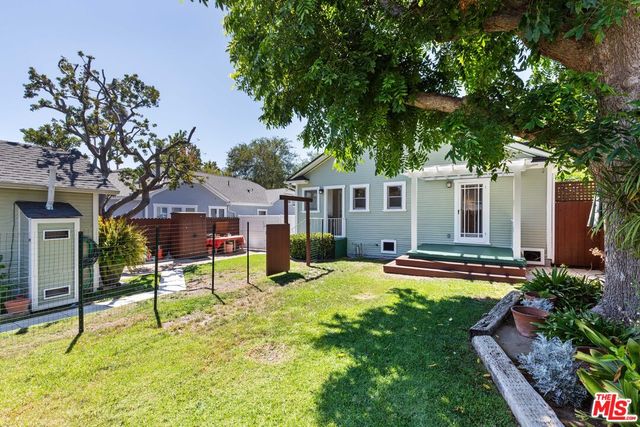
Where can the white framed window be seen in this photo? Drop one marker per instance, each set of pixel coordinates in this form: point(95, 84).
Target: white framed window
point(217, 211)
point(359, 198)
point(388, 246)
point(164, 210)
point(62, 291)
point(314, 194)
point(262, 212)
point(395, 196)
point(56, 234)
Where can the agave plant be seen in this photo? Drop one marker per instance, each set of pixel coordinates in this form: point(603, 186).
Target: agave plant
point(615, 369)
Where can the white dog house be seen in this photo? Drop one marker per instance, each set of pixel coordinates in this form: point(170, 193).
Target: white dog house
point(48, 248)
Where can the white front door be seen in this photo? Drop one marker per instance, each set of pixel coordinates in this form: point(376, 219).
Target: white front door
point(472, 211)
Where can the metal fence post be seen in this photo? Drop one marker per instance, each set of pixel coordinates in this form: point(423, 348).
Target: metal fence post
point(81, 284)
point(248, 252)
point(155, 272)
point(213, 258)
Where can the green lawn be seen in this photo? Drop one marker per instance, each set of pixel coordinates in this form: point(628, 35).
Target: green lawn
point(338, 344)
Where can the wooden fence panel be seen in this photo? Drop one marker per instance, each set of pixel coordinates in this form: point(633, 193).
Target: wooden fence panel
point(573, 237)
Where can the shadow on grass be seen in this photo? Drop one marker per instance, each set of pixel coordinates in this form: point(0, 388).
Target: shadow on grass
point(73, 343)
point(412, 365)
point(290, 277)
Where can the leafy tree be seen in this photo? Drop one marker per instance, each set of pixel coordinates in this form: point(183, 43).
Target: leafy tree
point(210, 166)
point(401, 78)
point(103, 117)
point(266, 161)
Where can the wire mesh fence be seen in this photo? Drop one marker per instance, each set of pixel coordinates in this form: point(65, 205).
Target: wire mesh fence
point(57, 269)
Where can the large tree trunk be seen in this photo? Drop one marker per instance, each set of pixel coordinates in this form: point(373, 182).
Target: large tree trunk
point(618, 59)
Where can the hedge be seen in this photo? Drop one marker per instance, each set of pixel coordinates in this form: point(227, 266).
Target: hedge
point(322, 246)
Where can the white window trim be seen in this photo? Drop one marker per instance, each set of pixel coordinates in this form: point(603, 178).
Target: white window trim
point(401, 184)
point(44, 234)
point(46, 298)
point(395, 246)
point(327, 188)
point(542, 255)
point(226, 213)
point(169, 206)
point(354, 187)
point(486, 212)
point(317, 190)
point(266, 212)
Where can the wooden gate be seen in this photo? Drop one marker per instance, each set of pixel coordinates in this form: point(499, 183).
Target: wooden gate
point(573, 237)
point(278, 258)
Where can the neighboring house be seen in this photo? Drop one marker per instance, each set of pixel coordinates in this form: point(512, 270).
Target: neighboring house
point(38, 239)
point(217, 196)
point(441, 207)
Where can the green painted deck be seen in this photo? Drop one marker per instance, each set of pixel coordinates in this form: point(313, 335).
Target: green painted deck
point(467, 253)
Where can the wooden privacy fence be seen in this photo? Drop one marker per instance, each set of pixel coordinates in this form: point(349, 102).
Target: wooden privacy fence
point(184, 235)
point(573, 237)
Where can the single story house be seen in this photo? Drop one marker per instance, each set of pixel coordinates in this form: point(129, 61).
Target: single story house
point(217, 196)
point(442, 212)
point(46, 198)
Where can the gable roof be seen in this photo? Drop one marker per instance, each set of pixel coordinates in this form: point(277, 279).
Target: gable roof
point(515, 147)
point(38, 210)
point(274, 195)
point(27, 165)
point(235, 190)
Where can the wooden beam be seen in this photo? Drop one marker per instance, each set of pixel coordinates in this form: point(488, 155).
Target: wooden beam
point(308, 226)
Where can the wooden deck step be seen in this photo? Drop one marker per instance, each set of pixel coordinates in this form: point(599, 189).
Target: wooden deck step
point(503, 270)
point(394, 268)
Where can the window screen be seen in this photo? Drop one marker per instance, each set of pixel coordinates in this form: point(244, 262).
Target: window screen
point(56, 234)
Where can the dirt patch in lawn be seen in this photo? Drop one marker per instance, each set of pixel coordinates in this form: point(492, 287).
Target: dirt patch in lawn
point(365, 296)
point(270, 353)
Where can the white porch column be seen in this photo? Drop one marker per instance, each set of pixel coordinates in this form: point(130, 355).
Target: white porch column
point(414, 212)
point(516, 241)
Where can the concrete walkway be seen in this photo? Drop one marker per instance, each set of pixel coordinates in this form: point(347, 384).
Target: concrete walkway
point(171, 281)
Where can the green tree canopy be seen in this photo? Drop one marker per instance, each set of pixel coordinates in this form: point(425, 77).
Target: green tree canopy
point(401, 78)
point(266, 161)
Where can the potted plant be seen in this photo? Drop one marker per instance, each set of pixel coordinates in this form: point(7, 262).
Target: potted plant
point(18, 305)
point(531, 313)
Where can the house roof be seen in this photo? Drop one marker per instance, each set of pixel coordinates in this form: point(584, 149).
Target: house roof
point(535, 153)
point(38, 210)
point(27, 165)
point(274, 195)
point(236, 190)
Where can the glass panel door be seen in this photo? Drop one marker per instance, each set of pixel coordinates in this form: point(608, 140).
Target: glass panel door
point(471, 212)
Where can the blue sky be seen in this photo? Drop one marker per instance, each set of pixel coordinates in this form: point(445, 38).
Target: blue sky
point(179, 47)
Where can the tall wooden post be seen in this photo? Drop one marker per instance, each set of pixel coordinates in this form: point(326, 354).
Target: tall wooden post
point(286, 212)
point(308, 221)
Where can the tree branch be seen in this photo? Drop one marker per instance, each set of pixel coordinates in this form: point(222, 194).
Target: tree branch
point(436, 102)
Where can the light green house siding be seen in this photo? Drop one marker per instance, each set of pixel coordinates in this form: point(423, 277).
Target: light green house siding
point(534, 212)
point(363, 228)
point(11, 231)
point(435, 208)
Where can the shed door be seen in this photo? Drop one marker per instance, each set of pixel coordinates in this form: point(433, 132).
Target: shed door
point(55, 264)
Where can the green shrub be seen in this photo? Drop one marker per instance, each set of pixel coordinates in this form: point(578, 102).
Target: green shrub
point(322, 246)
point(121, 245)
point(575, 292)
point(616, 369)
point(565, 325)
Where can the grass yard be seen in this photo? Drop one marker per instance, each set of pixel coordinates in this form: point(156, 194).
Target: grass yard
point(337, 344)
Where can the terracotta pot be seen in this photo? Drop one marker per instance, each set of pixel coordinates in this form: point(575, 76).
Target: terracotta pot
point(19, 305)
point(535, 295)
point(524, 318)
point(228, 247)
point(160, 252)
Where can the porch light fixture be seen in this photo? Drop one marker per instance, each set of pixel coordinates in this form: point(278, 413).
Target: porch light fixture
point(449, 183)
point(321, 190)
